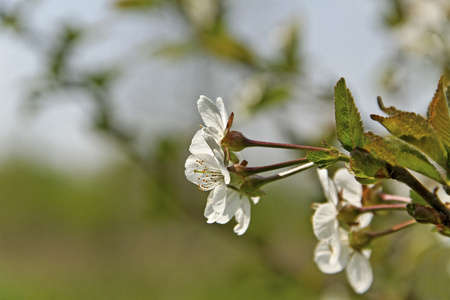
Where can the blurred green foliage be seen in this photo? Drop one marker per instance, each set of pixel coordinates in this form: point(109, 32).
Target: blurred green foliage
point(421, 30)
point(137, 231)
point(105, 236)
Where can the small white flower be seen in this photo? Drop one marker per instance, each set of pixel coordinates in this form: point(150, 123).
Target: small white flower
point(325, 223)
point(356, 263)
point(215, 118)
point(224, 201)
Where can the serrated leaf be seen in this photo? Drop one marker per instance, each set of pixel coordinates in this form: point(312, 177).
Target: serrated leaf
point(439, 116)
point(398, 153)
point(324, 158)
point(390, 111)
point(415, 198)
point(447, 95)
point(349, 127)
point(417, 131)
point(367, 168)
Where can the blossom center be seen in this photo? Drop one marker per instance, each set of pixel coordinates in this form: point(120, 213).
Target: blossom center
point(208, 177)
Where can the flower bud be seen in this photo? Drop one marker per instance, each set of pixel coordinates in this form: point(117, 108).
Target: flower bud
point(359, 239)
point(348, 214)
point(424, 214)
point(234, 141)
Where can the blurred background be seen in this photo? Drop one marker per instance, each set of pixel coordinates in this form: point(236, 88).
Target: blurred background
point(98, 107)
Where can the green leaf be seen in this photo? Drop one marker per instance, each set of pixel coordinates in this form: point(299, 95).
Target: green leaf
point(417, 131)
point(324, 158)
point(439, 116)
point(349, 128)
point(390, 111)
point(398, 153)
point(447, 95)
point(417, 199)
point(367, 168)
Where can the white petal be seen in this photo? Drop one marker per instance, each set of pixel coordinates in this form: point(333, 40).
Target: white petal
point(335, 247)
point(328, 186)
point(364, 220)
point(223, 111)
point(218, 156)
point(322, 257)
point(209, 213)
point(325, 224)
point(213, 114)
point(323, 177)
point(242, 217)
point(255, 199)
point(351, 189)
point(215, 204)
point(233, 202)
point(204, 170)
point(198, 144)
point(215, 134)
point(359, 273)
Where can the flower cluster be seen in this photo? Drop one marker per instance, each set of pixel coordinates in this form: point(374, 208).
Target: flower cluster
point(335, 252)
point(341, 224)
point(208, 164)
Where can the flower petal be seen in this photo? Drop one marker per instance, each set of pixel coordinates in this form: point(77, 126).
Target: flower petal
point(223, 112)
point(351, 189)
point(255, 199)
point(233, 202)
point(359, 273)
point(213, 114)
point(325, 224)
point(322, 257)
point(335, 247)
point(205, 171)
point(215, 204)
point(364, 220)
point(218, 156)
point(328, 186)
point(198, 144)
point(242, 217)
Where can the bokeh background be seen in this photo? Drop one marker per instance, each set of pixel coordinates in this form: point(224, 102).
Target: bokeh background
point(98, 106)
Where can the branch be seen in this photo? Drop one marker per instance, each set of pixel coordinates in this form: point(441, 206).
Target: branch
point(402, 175)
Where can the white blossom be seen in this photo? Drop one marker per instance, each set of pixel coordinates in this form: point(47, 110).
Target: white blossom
point(325, 223)
point(224, 201)
point(355, 262)
point(333, 252)
point(215, 118)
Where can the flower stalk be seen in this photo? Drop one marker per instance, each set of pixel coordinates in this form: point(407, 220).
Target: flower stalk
point(375, 208)
point(395, 228)
point(388, 197)
point(255, 182)
point(253, 143)
point(236, 141)
point(247, 171)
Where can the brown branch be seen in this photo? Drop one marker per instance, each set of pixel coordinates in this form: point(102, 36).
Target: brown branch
point(402, 175)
